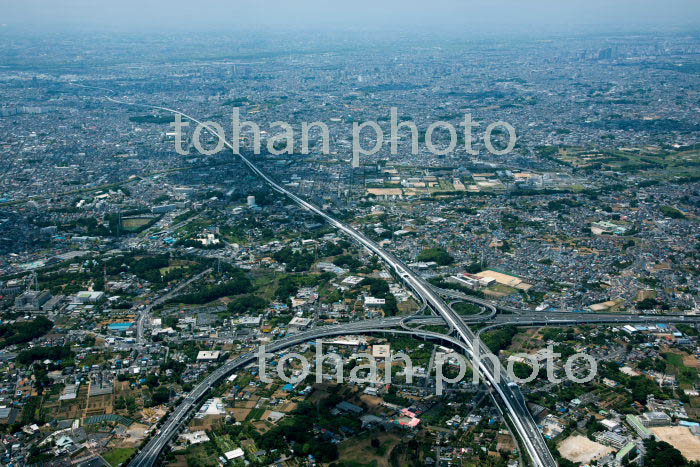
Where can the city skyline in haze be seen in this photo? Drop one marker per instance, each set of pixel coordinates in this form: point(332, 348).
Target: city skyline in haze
point(504, 16)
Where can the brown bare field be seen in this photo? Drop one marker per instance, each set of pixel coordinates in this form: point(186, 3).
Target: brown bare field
point(249, 404)
point(240, 413)
point(385, 191)
point(582, 450)
point(205, 423)
point(262, 426)
point(371, 401)
point(134, 436)
point(691, 361)
point(681, 438)
point(98, 405)
point(287, 407)
point(505, 443)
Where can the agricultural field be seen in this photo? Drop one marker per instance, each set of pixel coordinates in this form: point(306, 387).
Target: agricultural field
point(651, 161)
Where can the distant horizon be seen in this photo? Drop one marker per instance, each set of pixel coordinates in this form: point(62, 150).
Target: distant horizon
point(504, 17)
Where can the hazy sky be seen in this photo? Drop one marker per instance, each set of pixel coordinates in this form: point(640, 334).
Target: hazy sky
point(469, 15)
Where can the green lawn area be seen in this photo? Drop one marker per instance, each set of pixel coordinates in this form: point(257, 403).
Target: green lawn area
point(687, 377)
point(164, 271)
point(255, 414)
point(118, 456)
point(135, 223)
point(674, 359)
point(466, 308)
point(502, 290)
point(265, 284)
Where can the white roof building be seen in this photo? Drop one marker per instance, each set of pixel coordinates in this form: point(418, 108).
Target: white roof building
point(371, 301)
point(208, 355)
point(299, 323)
point(235, 454)
point(195, 437)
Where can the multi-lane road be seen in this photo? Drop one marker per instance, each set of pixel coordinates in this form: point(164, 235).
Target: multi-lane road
point(510, 397)
point(506, 393)
point(176, 420)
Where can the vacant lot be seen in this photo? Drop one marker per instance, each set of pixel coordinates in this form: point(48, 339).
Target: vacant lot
point(680, 438)
point(360, 450)
point(240, 414)
point(582, 450)
point(691, 361)
point(118, 456)
point(135, 223)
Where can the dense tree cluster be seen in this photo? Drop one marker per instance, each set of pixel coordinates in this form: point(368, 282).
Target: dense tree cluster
point(247, 304)
point(662, 454)
point(56, 353)
point(295, 261)
point(439, 255)
point(18, 333)
point(237, 285)
point(298, 431)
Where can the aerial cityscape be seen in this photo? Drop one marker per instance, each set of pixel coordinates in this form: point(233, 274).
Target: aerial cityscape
point(356, 243)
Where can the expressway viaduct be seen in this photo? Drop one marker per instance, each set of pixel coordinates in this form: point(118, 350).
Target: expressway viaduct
point(506, 394)
point(177, 419)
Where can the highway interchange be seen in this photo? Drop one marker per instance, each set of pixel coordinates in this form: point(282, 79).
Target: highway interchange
point(505, 393)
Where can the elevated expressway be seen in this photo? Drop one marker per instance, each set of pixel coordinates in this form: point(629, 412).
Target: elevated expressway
point(506, 394)
point(177, 419)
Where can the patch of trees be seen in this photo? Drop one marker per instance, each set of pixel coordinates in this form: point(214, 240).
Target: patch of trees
point(439, 255)
point(465, 308)
point(149, 268)
point(684, 180)
point(650, 304)
point(235, 286)
point(377, 287)
point(247, 304)
point(334, 249)
point(466, 210)
point(640, 386)
point(262, 198)
point(671, 212)
point(562, 204)
point(390, 307)
point(687, 330)
point(295, 261)
point(143, 266)
point(160, 396)
point(499, 339)
point(658, 126)
point(28, 356)
point(289, 285)
point(438, 282)
point(112, 225)
point(392, 397)
point(18, 333)
point(662, 454)
point(347, 261)
point(237, 102)
point(298, 431)
point(652, 364)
